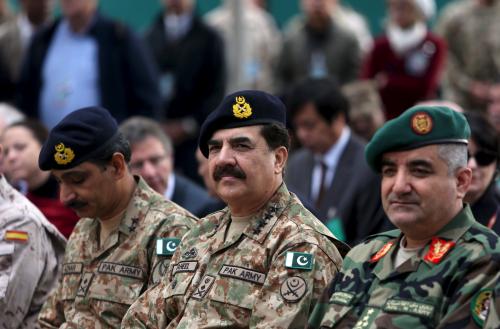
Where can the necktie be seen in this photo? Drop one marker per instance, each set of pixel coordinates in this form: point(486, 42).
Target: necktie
point(322, 187)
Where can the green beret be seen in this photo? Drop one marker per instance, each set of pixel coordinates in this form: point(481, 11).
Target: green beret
point(416, 127)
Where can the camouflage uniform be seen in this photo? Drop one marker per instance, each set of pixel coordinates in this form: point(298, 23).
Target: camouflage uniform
point(244, 281)
point(99, 284)
point(31, 255)
point(471, 31)
point(436, 289)
point(493, 319)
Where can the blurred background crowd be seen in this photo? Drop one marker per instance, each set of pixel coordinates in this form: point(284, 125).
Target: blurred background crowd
point(160, 67)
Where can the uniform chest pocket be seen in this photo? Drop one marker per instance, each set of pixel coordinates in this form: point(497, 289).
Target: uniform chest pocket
point(71, 277)
point(238, 286)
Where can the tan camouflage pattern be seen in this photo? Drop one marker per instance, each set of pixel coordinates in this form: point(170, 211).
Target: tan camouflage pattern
point(99, 284)
point(471, 32)
point(418, 293)
point(29, 270)
point(195, 294)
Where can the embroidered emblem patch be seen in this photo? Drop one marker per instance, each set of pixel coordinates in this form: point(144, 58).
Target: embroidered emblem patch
point(121, 270)
point(241, 109)
point(204, 287)
point(191, 253)
point(85, 284)
point(421, 123)
point(72, 268)
point(342, 298)
point(167, 246)
point(63, 155)
point(382, 252)
point(299, 260)
point(184, 267)
point(438, 250)
point(480, 306)
point(19, 236)
point(242, 273)
point(293, 289)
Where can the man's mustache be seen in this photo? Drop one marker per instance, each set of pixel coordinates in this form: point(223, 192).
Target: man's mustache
point(75, 204)
point(228, 171)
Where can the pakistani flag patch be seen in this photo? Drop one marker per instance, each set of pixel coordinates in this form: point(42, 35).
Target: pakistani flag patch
point(167, 246)
point(299, 260)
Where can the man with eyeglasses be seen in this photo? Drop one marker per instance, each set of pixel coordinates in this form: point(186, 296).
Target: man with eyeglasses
point(152, 158)
point(483, 150)
point(127, 233)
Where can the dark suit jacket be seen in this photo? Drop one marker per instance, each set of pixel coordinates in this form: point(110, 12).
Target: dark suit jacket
point(354, 194)
point(128, 79)
point(192, 197)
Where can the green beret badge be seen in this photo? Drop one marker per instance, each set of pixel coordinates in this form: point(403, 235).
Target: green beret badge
point(421, 123)
point(63, 155)
point(241, 109)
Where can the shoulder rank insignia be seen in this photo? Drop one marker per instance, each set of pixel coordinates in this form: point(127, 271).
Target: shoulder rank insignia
point(166, 246)
point(20, 236)
point(438, 250)
point(421, 123)
point(241, 109)
point(299, 260)
point(382, 252)
point(63, 155)
point(480, 306)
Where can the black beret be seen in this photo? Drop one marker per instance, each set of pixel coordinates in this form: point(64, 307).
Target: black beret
point(240, 109)
point(79, 136)
point(416, 127)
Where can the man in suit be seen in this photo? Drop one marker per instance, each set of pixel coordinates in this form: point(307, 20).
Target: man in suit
point(330, 169)
point(153, 159)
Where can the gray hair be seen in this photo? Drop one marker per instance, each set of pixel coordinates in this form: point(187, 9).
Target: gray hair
point(137, 129)
point(455, 156)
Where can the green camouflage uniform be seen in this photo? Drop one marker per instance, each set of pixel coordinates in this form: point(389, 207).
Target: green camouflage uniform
point(420, 293)
point(99, 284)
point(269, 276)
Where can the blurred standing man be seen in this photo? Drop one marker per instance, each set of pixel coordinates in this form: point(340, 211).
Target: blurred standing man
point(152, 159)
point(85, 59)
point(439, 269)
point(127, 234)
point(31, 256)
point(190, 56)
point(262, 261)
point(472, 74)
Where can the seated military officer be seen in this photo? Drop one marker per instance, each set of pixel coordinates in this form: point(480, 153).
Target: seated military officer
point(439, 269)
point(127, 232)
point(263, 260)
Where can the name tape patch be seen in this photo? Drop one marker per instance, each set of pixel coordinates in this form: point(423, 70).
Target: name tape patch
point(184, 267)
point(342, 298)
point(6, 249)
point(122, 270)
point(72, 268)
point(242, 273)
point(406, 306)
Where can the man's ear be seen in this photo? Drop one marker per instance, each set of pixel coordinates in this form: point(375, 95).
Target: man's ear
point(118, 165)
point(281, 156)
point(463, 180)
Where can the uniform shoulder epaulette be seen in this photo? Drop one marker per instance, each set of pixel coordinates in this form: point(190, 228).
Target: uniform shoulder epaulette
point(484, 236)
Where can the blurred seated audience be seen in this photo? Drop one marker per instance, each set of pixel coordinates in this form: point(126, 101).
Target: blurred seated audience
point(22, 142)
point(483, 151)
point(407, 60)
point(366, 111)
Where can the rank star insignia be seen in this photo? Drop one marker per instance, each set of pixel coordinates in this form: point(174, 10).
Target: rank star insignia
point(438, 250)
point(382, 252)
point(241, 109)
point(63, 155)
point(421, 123)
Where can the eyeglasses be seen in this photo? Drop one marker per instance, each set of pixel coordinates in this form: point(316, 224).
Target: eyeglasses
point(154, 161)
point(483, 158)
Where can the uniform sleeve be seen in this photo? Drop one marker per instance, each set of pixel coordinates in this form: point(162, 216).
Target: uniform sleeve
point(22, 263)
point(289, 294)
point(472, 299)
point(52, 313)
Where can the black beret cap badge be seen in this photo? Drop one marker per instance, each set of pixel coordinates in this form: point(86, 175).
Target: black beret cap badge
point(241, 109)
point(63, 155)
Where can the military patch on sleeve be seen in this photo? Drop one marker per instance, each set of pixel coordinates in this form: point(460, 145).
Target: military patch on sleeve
point(299, 260)
point(84, 284)
point(159, 270)
point(293, 289)
point(72, 268)
point(18, 236)
point(204, 287)
point(480, 306)
point(342, 298)
point(166, 246)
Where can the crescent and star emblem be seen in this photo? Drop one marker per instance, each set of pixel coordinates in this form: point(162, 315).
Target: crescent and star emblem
point(171, 246)
point(302, 260)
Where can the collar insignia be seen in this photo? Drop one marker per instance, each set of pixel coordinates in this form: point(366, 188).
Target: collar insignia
point(421, 123)
point(438, 250)
point(63, 155)
point(241, 109)
point(382, 252)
